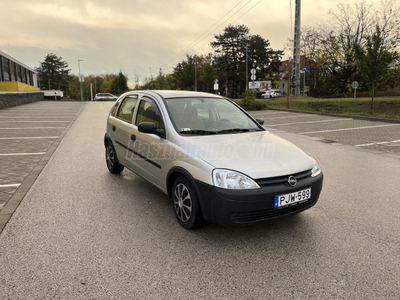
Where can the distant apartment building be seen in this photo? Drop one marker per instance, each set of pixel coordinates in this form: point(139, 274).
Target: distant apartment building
point(16, 76)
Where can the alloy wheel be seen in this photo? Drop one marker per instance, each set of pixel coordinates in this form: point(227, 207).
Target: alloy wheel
point(182, 202)
point(110, 157)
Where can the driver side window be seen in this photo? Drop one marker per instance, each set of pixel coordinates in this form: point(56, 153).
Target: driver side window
point(148, 113)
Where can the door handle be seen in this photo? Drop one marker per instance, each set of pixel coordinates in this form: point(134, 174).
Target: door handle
point(133, 137)
point(113, 128)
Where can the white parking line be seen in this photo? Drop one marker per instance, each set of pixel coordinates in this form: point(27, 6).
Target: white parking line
point(10, 185)
point(298, 116)
point(271, 113)
point(380, 143)
point(17, 154)
point(37, 115)
point(29, 117)
point(345, 129)
point(29, 137)
point(34, 121)
point(32, 128)
point(310, 122)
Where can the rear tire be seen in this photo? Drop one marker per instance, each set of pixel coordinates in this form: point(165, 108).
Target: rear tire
point(113, 164)
point(186, 204)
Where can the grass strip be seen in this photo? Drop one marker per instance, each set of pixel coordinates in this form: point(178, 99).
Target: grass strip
point(385, 108)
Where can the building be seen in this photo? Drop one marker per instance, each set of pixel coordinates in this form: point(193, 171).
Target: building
point(307, 78)
point(284, 75)
point(16, 76)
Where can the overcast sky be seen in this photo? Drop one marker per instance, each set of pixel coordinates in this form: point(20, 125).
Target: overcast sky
point(139, 36)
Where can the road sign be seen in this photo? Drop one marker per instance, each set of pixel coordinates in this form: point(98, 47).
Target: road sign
point(253, 71)
point(253, 77)
point(354, 85)
point(304, 68)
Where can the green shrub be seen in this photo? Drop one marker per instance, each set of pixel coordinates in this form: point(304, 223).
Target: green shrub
point(249, 98)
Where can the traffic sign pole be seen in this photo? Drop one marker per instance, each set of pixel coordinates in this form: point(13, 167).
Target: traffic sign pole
point(253, 75)
point(355, 85)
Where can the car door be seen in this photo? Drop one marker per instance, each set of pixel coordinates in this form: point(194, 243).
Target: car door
point(149, 149)
point(121, 127)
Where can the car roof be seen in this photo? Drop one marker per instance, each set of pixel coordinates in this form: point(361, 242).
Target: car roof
point(178, 94)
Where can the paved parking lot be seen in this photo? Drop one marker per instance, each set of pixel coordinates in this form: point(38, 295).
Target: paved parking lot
point(380, 137)
point(83, 233)
point(29, 134)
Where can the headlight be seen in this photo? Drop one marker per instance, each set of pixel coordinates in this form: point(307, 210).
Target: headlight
point(228, 179)
point(316, 170)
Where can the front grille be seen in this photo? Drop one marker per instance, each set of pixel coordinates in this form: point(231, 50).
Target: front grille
point(282, 179)
point(262, 215)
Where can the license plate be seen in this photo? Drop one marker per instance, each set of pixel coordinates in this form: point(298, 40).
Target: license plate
point(288, 199)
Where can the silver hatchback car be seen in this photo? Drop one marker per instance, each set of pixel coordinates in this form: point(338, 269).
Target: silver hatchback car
point(211, 157)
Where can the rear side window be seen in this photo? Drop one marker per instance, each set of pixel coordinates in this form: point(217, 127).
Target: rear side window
point(127, 107)
point(114, 111)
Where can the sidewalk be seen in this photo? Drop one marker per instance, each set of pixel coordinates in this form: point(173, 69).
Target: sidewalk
point(29, 135)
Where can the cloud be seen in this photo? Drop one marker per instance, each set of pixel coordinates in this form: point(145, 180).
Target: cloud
point(138, 35)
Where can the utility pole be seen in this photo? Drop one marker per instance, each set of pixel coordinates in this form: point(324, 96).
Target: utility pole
point(296, 52)
point(80, 79)
point(247, 65)
point(195, 72)
point(247, 68)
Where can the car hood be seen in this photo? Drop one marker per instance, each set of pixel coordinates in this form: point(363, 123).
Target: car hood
point(256, 154)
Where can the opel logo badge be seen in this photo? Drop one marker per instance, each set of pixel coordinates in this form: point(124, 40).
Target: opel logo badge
point(292, 180)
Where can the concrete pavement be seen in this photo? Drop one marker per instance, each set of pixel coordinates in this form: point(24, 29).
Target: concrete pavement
point(29, 135)
point(84, 233)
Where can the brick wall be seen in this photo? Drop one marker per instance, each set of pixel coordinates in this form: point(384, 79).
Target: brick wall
point(14, 99)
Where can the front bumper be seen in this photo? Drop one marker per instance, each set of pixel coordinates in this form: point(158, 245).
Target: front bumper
point(245, 207)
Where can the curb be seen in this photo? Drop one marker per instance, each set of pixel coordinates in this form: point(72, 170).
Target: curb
point(340, 116)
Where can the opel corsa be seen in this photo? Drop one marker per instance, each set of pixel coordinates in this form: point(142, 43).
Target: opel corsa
point(211, 157)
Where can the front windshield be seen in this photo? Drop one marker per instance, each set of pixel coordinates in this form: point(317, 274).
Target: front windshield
point(208, 116)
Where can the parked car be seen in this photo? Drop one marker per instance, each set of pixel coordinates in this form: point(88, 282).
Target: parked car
point(105, 96)
point(210, 156)
point(266, 94)
point(276, 93)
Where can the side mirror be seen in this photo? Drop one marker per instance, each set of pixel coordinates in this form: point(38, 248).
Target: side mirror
point(260, 121)
point(150, 127)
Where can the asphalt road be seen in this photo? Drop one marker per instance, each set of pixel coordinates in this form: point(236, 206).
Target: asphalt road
point(82, 233)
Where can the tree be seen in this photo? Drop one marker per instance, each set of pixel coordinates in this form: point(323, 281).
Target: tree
point(330, 49)
point(373, 60)
point(230, 60)
point(164, 82)
point(53, 73)
point(184, 73)
point(119, 85)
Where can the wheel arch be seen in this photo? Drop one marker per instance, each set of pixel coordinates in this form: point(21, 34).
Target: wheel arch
point(173, 174)
point(107, 139)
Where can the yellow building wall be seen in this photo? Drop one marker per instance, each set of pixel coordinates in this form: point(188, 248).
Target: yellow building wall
point(16, 86)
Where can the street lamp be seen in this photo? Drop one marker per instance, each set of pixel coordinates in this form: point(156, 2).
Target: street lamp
point(80, 81)
point(247, 66)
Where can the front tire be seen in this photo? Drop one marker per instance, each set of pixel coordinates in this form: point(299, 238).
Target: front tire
point(113, 164)
point(186, 205)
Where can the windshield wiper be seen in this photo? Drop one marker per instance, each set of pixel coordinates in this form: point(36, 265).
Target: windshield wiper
point(197, 132)
point(234, 130)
